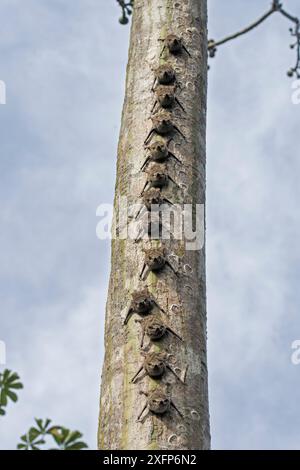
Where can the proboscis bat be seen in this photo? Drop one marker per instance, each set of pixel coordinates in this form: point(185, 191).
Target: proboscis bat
point(166, 97)
point(151, 225)
point(159, 152)
point(164, 75)
point(158, 402)
point(157, 177)
point(174, 44)
point(153, 199)
point(142, 303)
point(155, 260)
point(155, 329)
point(162, 124)
point(156, 365)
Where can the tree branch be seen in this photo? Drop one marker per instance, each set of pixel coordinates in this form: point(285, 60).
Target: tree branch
point(275, 7)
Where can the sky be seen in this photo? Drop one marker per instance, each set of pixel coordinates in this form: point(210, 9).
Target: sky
point(64, 67)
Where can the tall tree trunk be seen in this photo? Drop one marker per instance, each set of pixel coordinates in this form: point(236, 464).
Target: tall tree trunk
point(183, 297)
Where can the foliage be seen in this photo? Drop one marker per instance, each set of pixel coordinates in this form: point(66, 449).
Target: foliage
point(9, 383)
point(63, 438)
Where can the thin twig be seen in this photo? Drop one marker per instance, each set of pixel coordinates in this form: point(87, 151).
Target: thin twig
point(275, 7)
point(213, 44)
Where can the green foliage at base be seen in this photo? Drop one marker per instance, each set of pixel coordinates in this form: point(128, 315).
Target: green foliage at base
point(9, 383)
point(61, 437)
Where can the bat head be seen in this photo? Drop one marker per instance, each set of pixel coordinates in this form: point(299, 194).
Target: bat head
point(155, 364)
point(155, 258)
point(159, 402)
point(162, 122)
point(157, 175)
point(155, 328)
point(165, 74)
point(158, 151)
point(142, 301)
point(152, 197)
point(166, 95)
point(173, 43)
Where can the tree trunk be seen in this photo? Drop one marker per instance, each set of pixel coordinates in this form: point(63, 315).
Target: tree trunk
point(183, 297)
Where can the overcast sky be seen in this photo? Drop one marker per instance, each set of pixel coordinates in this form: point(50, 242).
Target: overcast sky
point(64, 67)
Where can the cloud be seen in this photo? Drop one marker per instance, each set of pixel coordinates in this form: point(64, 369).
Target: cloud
point(252, 231)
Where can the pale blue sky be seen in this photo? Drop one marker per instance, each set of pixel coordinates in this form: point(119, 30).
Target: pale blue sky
point(64, 67)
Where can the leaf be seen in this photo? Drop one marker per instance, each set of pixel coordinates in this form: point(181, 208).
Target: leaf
point(65, 434)
point(33, 434)
point(17, 385)
point(2, 412)
point(77, 446)
point(43, 426)
point(39, 422)
point(21, 446)
point(73, 436)
point(35, 447)
point(47, 422)
point(55, 432)
point(5, 375)
point(12, 378)
point(3, 398)
point(13, 396)
point(40, 442)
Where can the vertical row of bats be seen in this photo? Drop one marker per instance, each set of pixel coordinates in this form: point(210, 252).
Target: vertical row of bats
point(157, 364)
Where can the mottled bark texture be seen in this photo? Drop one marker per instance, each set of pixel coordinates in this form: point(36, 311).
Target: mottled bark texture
point(183, 297)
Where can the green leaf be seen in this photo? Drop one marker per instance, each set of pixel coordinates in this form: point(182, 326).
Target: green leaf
point(47, 422)
point(43, 426)
point(63, 437)
point(77, 446)
point(21, 446)
point(12, 378)
point(33, 434)
point(39, 442)
point(73, 436)
point(55, 432)
point(39, 422)
point(8, 380)
point(65, 434)
point(16, 385)
point(3, 398)
point(13, 396)
point(5, 375)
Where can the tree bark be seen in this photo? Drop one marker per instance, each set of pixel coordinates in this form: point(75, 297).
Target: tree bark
point(183, 297)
